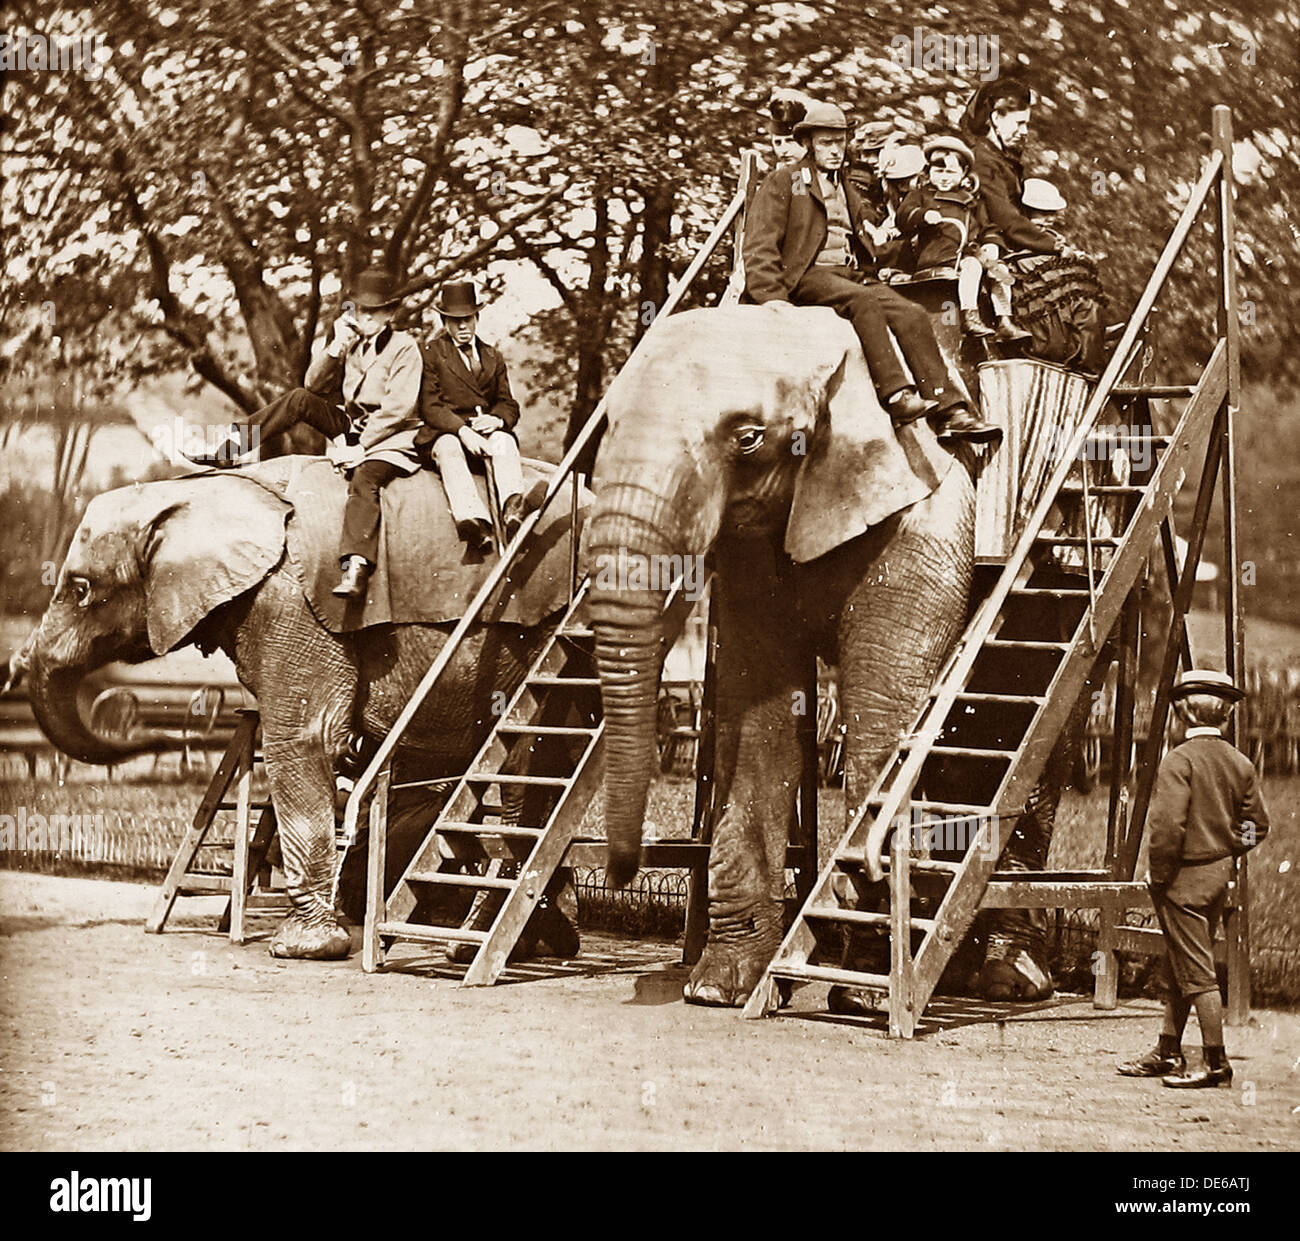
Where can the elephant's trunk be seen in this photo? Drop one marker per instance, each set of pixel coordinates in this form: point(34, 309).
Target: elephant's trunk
point(646, 520)
point(53, 693)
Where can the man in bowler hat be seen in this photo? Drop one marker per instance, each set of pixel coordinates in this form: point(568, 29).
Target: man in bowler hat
point(469, 412)
point(362, 391)
point(1206, 810)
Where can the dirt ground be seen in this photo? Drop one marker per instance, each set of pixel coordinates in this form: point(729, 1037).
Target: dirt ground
point(118, 1040)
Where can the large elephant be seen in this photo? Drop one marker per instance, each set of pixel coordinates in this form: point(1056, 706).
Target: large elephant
point(211, 560)
point(753, 436)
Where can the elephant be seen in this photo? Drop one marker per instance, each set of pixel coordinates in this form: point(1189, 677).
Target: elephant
point(211, 560)
point(753, 436)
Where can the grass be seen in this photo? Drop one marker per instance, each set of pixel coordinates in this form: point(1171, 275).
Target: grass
point(146, 818)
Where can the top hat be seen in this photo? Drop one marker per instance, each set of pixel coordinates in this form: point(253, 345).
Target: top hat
point(901, 162)
point(820, 115)
point(1206, 681)
point(376, 289)
point(1040, 195)
point(946, 142)
point(458, 300)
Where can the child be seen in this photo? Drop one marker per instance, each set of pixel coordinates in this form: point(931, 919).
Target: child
point(1207, 808)
point(946, 218)
point(1041, 201)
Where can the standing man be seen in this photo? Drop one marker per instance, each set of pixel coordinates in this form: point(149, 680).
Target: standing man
point(362, 390)
point(804, 243)
point(469, 412)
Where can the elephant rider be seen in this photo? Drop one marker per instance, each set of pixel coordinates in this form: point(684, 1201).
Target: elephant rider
point(468, 411)
point(804, 243)
point(786, 108)
point(362, 390)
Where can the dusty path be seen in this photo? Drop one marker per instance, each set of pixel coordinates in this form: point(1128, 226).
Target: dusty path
point(113, 1039)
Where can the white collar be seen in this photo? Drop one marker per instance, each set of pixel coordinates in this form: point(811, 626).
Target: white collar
point(1202, 732)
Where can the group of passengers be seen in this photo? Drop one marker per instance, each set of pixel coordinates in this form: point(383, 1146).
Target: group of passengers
point(843, 222)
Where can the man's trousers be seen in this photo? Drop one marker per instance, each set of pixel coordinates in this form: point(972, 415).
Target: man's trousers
point(875, 310)
point(462, 496)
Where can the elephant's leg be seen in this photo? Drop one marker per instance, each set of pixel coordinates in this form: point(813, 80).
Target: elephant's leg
point(763, 657)
point(305, 680)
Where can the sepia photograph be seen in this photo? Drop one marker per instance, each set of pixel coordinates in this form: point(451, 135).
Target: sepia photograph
point(696, 576)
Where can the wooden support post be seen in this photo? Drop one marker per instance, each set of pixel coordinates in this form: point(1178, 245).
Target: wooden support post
point(1182, 601)
point(1179, 623)
point(242, 843)
point(902, 1004)
point(372, 950)
point(1236, 925)
point(1121, 751)
point(697, 888)
point(804, 835)
point(1105, 964)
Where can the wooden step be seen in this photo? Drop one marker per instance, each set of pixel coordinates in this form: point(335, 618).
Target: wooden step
point(1165, 390)
point(490, 829)
point(1118, 436)
point(577, 631)
point(496, 777)
point(861, 917)
point(576, 682)
point(1102, 489)
point(972, 696)
point(450, 880)
point(1075, 540)
point(204, 885)
point(956, 810)
point(552, 730)
point(1046, 591)
point(1023, 644)
point(429, 934)
point(971, 752)
point(823, 973)
point(927, 866)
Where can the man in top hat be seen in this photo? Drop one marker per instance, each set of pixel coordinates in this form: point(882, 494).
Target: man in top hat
point(362, 390)
point(1206, 810)
point(469, 412)
point(785, 107)
point(804, 243)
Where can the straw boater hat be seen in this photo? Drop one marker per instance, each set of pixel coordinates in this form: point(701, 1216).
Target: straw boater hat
point(1206, 681)
point(377, 288)
point(1042, 195)
point(458, 300)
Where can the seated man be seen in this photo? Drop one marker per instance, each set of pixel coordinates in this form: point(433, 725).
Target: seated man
point(468, 409)
point(363, 391)
point(804, 243)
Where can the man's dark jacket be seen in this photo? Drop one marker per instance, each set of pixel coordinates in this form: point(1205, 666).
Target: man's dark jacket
point(785, 229)
point(1002, 182)
point(450, 396)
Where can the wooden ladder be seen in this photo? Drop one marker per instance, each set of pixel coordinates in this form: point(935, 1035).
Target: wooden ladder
point(247, 885)
point(981, 742)
point(543, 759)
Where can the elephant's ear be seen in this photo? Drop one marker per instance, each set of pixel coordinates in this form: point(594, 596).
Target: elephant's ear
point(858, 471)
point(212, 538)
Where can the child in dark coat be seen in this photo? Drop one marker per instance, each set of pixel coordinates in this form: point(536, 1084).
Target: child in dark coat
point(949, 228)
point(1207, 809)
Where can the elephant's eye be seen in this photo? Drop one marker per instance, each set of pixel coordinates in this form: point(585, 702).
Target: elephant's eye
point(78, 589)
point(750, 439)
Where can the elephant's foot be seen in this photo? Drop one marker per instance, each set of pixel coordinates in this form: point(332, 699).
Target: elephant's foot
point(300, 939)
point(1015, 977)
point(729, 969)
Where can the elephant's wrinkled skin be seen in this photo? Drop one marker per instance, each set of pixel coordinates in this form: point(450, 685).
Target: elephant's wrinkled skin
point(754, 436)
point(149, 561)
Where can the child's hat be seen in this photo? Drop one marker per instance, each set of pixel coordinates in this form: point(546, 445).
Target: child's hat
point(1041, 195)
point(900, 162)
point(1206, 681)
point(946, 142)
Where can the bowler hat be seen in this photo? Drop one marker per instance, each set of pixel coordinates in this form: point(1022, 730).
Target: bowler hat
point(873, 135)
point(1206, 681)
point(376, 288)
point(820, 115)
point(946, 142)
point(458, 300)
